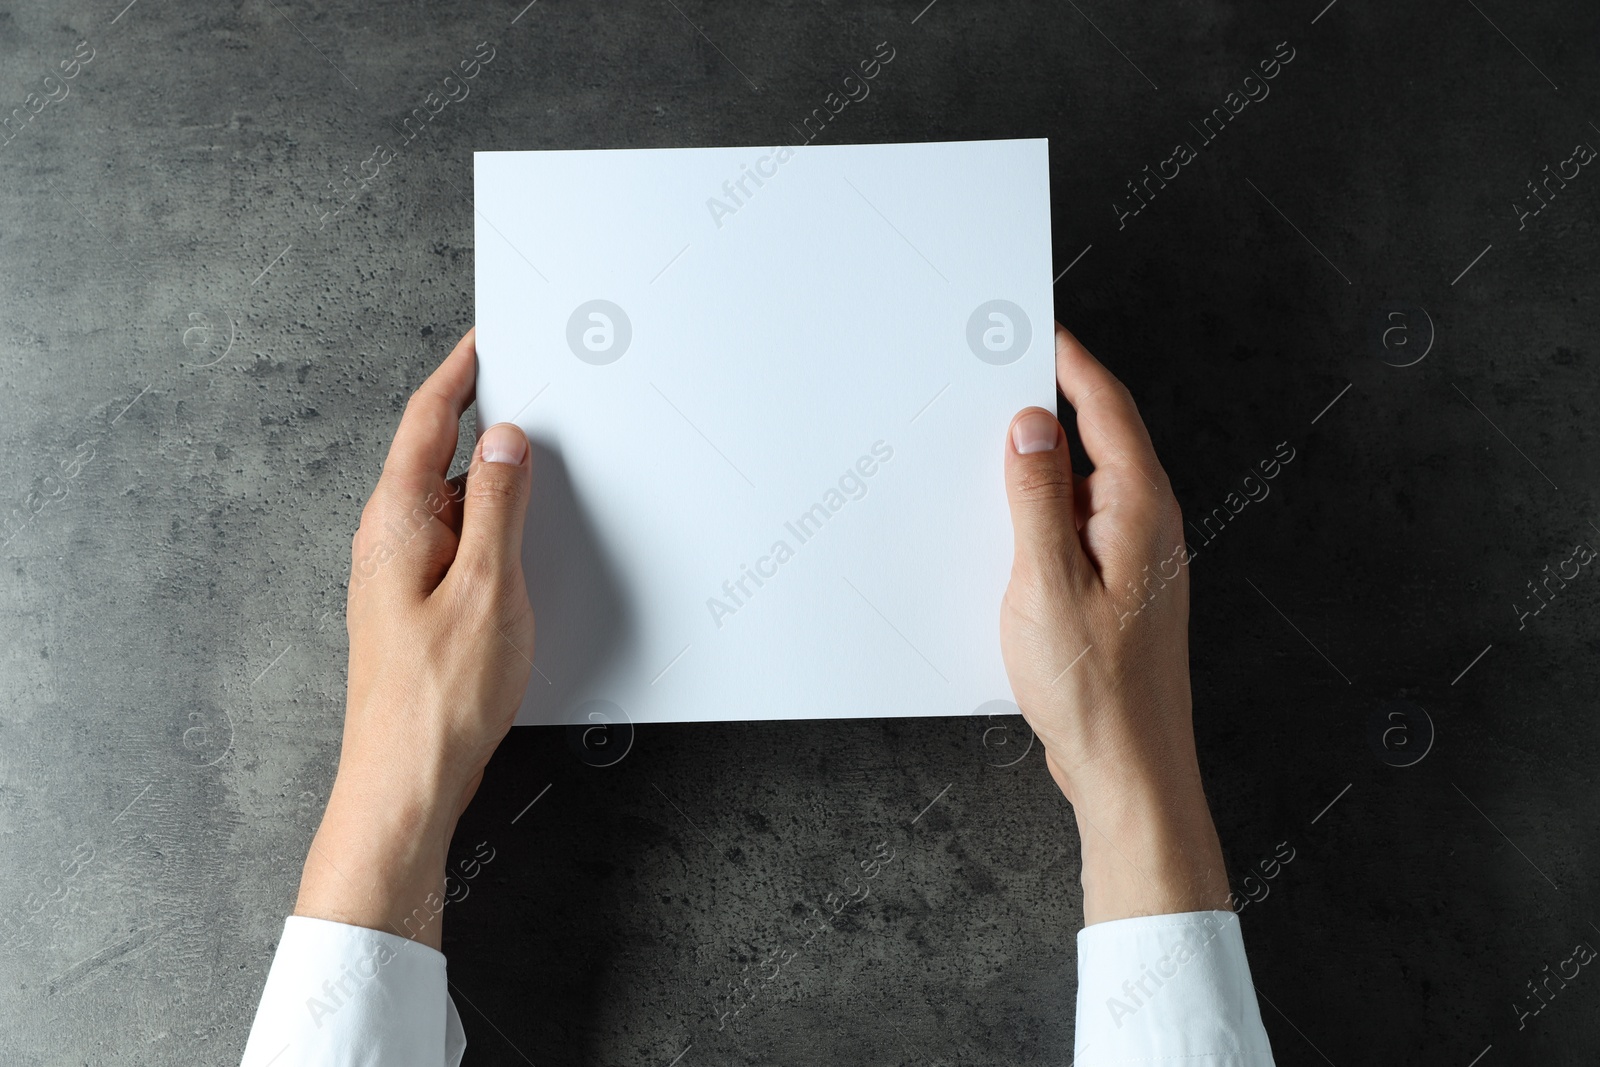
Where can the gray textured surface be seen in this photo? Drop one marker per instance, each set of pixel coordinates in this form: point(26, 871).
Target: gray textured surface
point(173, 645)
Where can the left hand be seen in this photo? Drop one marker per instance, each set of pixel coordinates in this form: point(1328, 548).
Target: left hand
point(441, 646)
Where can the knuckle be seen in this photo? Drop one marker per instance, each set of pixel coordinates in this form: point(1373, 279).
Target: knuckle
point(1163, 484)
point(493, 489)
point(415, 410)
point(1043, 482)
point(1173, 513)
point(1146, 483)
point(369, 533)
point(1118, 395)
point(426, 411)
point(406, 498)
point(420, 399)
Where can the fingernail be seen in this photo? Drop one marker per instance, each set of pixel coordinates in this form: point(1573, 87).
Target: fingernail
point(1034, 432)
point(503, 443)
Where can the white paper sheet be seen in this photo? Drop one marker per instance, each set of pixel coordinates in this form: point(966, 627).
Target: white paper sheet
point(767, 390)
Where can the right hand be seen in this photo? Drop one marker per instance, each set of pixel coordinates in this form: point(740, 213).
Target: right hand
point(1094, 631)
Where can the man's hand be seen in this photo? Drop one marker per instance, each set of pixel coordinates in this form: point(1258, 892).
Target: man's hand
point(1094, 629)
point(441, 645)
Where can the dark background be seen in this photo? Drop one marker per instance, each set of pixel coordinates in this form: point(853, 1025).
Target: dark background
point(190, 441)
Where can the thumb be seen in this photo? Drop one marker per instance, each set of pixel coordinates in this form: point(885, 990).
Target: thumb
point(496, 501)
point(1039, 486)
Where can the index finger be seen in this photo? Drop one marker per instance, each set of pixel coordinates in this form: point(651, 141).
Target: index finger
point(425, 442)
point(1113, 434)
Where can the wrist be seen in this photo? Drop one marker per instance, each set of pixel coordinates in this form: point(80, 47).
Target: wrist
point(1149, 847)
point(378, 858)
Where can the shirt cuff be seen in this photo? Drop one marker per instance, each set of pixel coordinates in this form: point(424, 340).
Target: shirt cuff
point(346, 996)
point(1168, 988)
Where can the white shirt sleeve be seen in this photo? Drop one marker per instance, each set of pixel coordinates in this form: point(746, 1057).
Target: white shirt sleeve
point(1168, 989)
point(346, 996)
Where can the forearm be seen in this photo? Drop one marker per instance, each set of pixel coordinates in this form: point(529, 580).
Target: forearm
point(1162, 974)
point(378, 859)
point(1149, 849)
